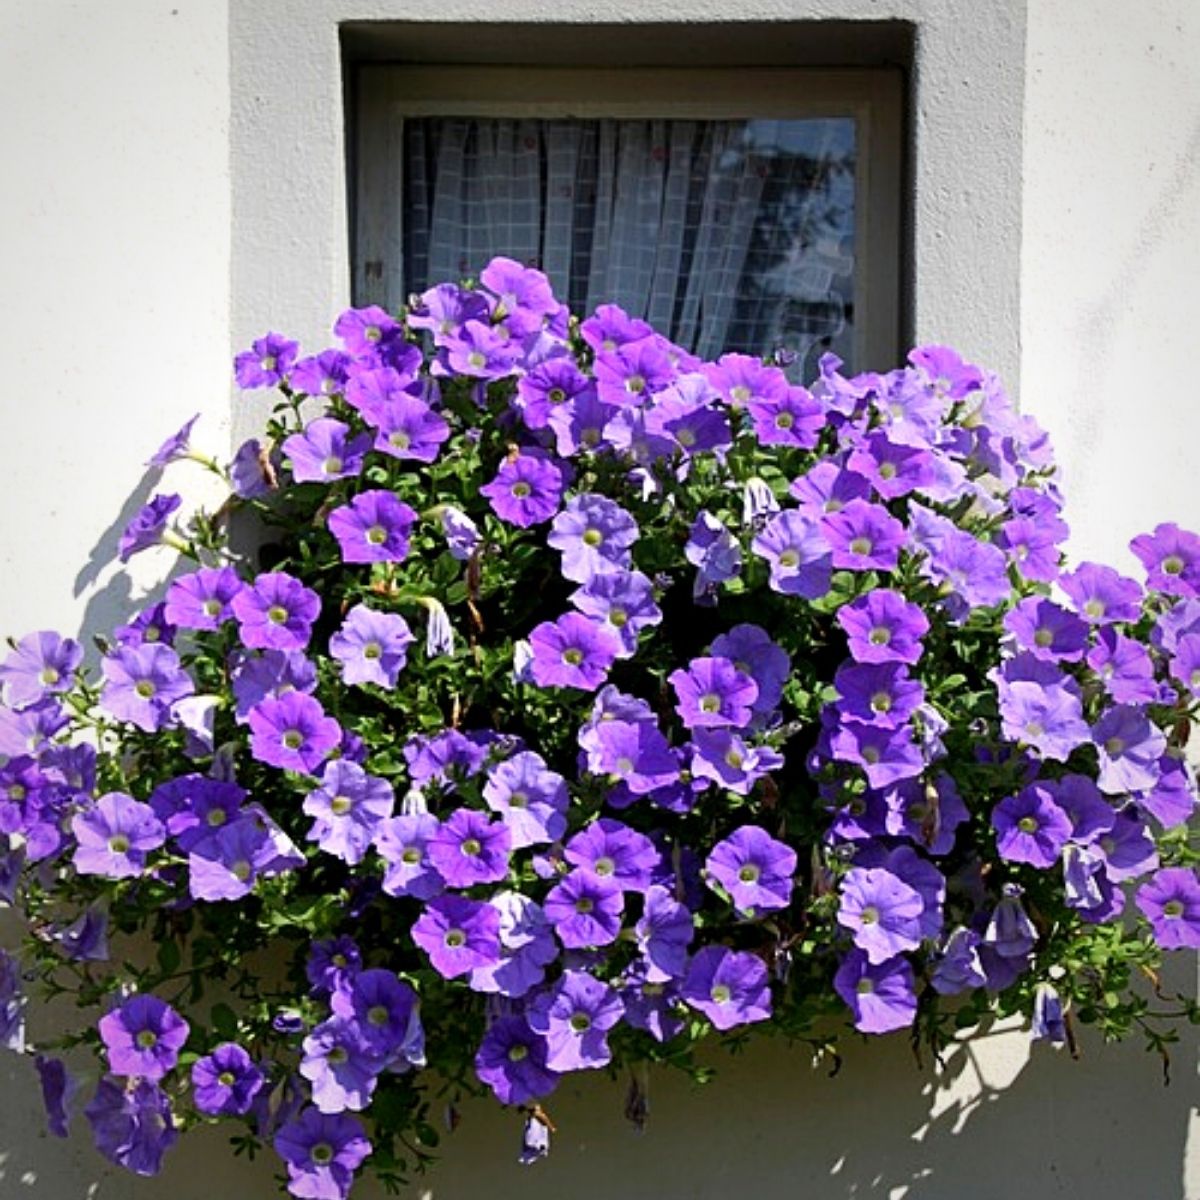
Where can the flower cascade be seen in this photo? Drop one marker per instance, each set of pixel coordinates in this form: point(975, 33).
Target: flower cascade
point(544, 700)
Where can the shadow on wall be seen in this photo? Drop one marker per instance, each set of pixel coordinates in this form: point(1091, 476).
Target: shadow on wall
point(993, 1125)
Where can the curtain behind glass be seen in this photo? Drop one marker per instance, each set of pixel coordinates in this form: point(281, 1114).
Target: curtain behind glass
point(725, 235)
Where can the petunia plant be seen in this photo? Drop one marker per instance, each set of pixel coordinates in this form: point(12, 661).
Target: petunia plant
point(544, 699)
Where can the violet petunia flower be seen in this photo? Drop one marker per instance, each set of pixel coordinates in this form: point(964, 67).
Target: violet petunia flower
point(347, 809)
point(798, 554)
point(114, 837)
point(1171, 557)
point(883, 626)
point(468, 848)
point(270, 675)
point(882, 996)
point(1047, 631)
point(731, 762)
point(203, 599)
point(527, 947)
point(663, 933)
point(148, 526)
point(1170, 901)
point(882, 911)
point(324, 374)
point(341, 1068)
point(863, 537)
point(886, 755)
point(755, 870)
point(574, 1016)
point(527, 489)
point(373, 527)
point(716, 555)
point(142, 1037)
point(712, 692)
point(1031, 827)
point(226, 864)
point(325, 452)
point(292, 732)
point(458, 934)
point(621, 602)
point(573, 651)
point(276, 613)
point(1101, 595)
point(266, 363)
point(142, 683)
point(58, 1088)
point(132, 1124)
point(882, 693)
point(511, 1060)
point(585, 910)
point(531, 799)
point(371, 646)
point(175, 447)
point(332, 963)
point(226, 1082)
point(403, 843)
point(463, 538)
point(39, 665)
point(1130, 746)
point(609, 849)
point(1125, 667)
point(729, 987)
point(753, 652)
point(322, 1151)
point(593, 534)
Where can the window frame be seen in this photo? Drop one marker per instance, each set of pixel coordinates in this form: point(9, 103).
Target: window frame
point(872, 96)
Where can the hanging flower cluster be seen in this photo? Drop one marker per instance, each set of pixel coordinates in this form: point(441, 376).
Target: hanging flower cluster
point(560, 699)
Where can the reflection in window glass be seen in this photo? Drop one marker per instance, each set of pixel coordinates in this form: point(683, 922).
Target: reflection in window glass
point(726, 235)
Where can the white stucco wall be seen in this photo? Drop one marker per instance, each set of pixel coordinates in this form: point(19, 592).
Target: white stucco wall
point(137, 254)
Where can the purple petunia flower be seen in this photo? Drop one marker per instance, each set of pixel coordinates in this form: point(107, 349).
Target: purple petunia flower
point(408, 428)
point(276, 613)
point(634, 753)
point(1102, 595)
point(270, 675)
point(1171, 557)
point(1047, 631)
point(365, 330)
point(1031, 827)
point(787, 418)
point(664, 932)
point(468, 848)
point(712, 692)
point(322, 1151)
point(141, 683)
point(40, 664)
point(325, 451)
point(755, 870)
point(886, 755)
point(572, 652)
point(527, 946)
point(132, 1124)
point(593, 534)
point(527, 489)
point(1130, 746)
point(609, 849)
point(1124, 667)
point(729, 987)
point(175, 447)
point(549, 385)
point(324, 374)
point(332, 963)
point(1170, 901)
point(225, 865)
point(882, 996)
point(729, 761)
point(511, 1060)
point(1044, 711)
point(266, 363)
point(373, 527)
point(1010, 932)
point(458, 934)
point(402, 843)
point(863, 537)
point(621, 602)
point(386, 1013)
point(574, 1016)
point(348, 807)
point(798, 555)
point(203, 599)
point(881, 693)
point(226, 1082)
point(882, 911)
point(585, 910)
point(531, 799)
point(86, 938)
point(292, 732)
point(715, 553)
point(462, 534)
point(114, 836)
point(12, 1004)
point(148, 526)
point(143, 1037)
point(957, 966)
point(884, 627)
point(753, 653)
point(371, 646)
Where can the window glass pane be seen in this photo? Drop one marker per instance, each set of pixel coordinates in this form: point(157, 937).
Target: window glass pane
point(726, 235)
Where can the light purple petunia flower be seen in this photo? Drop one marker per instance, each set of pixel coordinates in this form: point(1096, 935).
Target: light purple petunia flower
point(664, 932)
point(1031, 827)
point(365, 331)
point(633, 372)
point(269, 676)
point(957, 966)
point(40, 664)
point(886, 755)
point(622, 602)
point(547, 386)
point(462, 534)
point(611, 850)
point(585, 910)
point(593, 534)
point(402, 843)
point(511, 1060)
point(175, 447)
point(753, 653)
point(1101, 595)
point(292, 732)
point(132, 1124)
point(226, 864)
point(203, 599)
point(385, 1010)
point(882, 911)
point(712, 692)
point(574, 1016)
point(348, 807)
point(143, 1037)
point(226, 1082)
point(635, 753)
point(373, 527)
point(1125, 667)
point(798, 554)
point(324, 374)
point(787, 418)
point(882, 693)
point(322, 1151)
point(1127, 848)
point(469, 848)
point(1130, 746)
point(573, 651)
point(531, 799)
point(114, 836)
point(755, 870)
point(254, 471)
point(715, 553)
point(442, 309)
point(1171, 557)
point(883, 626)
point(266, 363)
point(863, 537)
point(611, 326)
point(729, 987)
point(1170, 901)
point(325, 451)
point(527, 947)
point(141, 683)
point(882, 996)
point(408, 428)
point(479, 350)
point(527, 489)
point(458, 934)
point(1010, 932)
point(371, 646)
point(276, 613)
point(1044, 711)
point(148, 526)
point(892, 468)
point(731, 762)
point(147, 627)
point(1047, 631)
point(1172, 800)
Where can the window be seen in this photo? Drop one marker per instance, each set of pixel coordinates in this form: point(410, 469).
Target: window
point(751, 209)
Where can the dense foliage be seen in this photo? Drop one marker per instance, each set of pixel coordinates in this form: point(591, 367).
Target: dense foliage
point(559, 701)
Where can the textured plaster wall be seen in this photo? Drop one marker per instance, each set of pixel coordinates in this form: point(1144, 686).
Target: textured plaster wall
point(174, 185)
